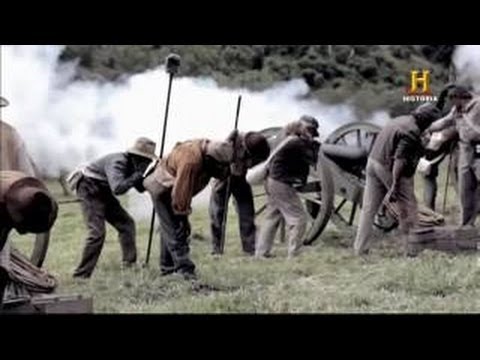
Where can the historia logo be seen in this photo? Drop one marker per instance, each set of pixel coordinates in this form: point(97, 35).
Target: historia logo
point(419, 89)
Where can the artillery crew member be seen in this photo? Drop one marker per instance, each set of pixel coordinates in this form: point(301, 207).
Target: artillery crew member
point(287, 168)
point(441, 143)
point(172, 184)
point(97, 186)
point(13, 157)
point(252, 148)
point(26, 206)
point(390, 169)
point(468, 126)
point(441, 140)
point(465, 115)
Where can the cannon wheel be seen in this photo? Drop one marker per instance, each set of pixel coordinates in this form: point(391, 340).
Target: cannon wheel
point(320, 206)
point(358, 134)
point(317, 195)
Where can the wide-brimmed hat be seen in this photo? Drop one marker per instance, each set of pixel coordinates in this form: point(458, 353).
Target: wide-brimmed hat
point(31, 206)
point(3, 102)
point(144, 147)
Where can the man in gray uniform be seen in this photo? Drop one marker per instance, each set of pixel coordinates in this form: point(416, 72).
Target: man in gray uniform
point(465, 116)
point(100, 182)
point(468, 126)
point(255, 150)
point(390, 169)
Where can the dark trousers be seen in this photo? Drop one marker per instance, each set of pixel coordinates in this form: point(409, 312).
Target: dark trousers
point(174, 237)
point(242, 193)
point(100, 205)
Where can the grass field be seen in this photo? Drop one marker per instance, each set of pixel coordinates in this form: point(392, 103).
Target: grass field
point(325, 278)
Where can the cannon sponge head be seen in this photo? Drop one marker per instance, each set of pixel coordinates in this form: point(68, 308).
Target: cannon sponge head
point(31, 207)
point(173, 63)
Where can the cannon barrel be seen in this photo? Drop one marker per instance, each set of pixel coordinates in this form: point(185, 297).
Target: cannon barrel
point(350, 159)
point(344, 152)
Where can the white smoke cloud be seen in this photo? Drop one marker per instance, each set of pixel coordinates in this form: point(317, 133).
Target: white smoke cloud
point(467, 65)
point(66, 122)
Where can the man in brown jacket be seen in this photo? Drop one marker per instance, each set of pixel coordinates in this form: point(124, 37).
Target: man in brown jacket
point(173, 183)
point(26, 206)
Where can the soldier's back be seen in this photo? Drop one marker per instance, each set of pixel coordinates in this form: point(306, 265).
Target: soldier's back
point(387, 140)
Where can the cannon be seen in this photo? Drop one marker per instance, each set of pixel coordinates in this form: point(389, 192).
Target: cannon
point(337, 180)
point(334, 189)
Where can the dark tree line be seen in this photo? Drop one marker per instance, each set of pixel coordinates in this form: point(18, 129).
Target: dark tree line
point(370, 76)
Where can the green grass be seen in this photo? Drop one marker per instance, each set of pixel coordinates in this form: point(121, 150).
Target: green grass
point(325, 278)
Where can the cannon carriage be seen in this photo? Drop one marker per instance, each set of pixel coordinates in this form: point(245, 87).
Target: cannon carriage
point(334, 189)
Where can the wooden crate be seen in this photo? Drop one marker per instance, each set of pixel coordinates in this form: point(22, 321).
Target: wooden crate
point(52, 304)
point(448, 239)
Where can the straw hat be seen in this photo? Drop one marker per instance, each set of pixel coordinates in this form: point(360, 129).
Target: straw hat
point(143, 147)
